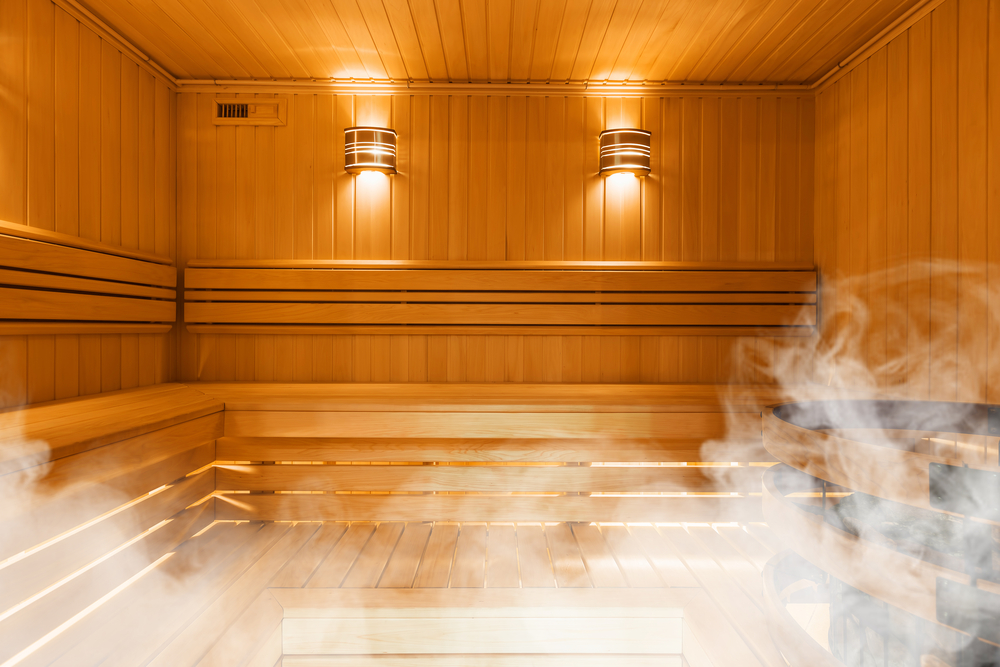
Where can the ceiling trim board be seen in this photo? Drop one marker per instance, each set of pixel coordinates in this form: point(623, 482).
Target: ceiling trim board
point(891, 32)
point(545, 89)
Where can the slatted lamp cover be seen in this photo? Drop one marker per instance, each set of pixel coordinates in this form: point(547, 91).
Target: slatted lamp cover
point(369, 149)
point(625, 150)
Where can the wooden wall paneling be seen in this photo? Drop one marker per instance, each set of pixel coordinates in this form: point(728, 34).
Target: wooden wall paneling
point(129, 154)
point(767, 172)
point(244, 220)
point(944, 201)
point(709, 225)
point(971, 215)
point(860, 311)
point(225, 187)
point(690, 177)
point(264, 184)
point(555, 145)
point(324, 177)
point(896, 211)
point(877, 224)
point(89, 169)
point(285, 178)
point(502, 169)
point(575, 178)
point(748, 193)
point(146, 168)
point(66, 81)
point(420, 177)
point(593, 203)
point(438, 223)
point(381, 358)
point(13, 114)
point(303, 168)
point(535, 156)
point(187, 209)
point(457, 183)
point(993, 210)
point(670, 192)
point(111, 71)
point(207, 190)
point(400, 183)
point(67, 360)
point(516, 177)
point(729, 177)
point(616, 191)
point(363, 359)
point(41, 114)
point(496, 207)
point(918, 270)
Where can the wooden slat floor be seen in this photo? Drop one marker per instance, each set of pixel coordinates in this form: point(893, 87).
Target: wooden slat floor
point(225, 568)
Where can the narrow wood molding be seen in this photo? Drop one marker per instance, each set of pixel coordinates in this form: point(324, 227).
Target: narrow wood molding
point(492, 330)
point(567, 89)
point(50, 328)
point(58, 238)
point(891, 32)
point(498, 265)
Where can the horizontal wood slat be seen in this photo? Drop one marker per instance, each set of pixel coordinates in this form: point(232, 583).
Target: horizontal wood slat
point(499, 397)
point(502, 314)
point(24, 304)
point(317, 296)
point(71, 241)
point(490, 330)
point(330, 507)
point(475, 425)
point(553, 279)
point(745, 446)
point(52, 279)
point(488, 479)
point(494, 298)
point(28, 255)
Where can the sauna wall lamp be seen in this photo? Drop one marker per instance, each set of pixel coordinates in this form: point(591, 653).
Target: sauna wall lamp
point(625, 150)
point(369, 149)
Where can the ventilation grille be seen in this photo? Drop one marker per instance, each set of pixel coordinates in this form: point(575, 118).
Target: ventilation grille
point(233, 110)
point(260, 111)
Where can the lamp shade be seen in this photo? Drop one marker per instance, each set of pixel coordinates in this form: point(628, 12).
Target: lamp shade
point(369, 149)
point(625, 150)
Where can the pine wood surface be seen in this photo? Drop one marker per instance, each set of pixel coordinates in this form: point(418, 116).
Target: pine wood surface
point(232, 606)
point(906, 210)
point(443, 210)
point(58, 429)
point(544, 43)
point(98, 197)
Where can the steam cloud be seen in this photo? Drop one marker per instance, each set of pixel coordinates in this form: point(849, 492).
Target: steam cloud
point(887, 335)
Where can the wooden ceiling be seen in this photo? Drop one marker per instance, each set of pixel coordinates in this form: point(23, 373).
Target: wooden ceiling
point(716, 41)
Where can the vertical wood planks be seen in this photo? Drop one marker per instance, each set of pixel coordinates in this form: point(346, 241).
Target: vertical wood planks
point(487, 177)
point(87, 151)
point(907, 208)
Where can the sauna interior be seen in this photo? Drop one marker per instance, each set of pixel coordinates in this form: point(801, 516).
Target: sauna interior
point(622, 332)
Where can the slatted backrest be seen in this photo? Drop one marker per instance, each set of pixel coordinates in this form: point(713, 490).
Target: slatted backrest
point(56, 283)
point(499, 297)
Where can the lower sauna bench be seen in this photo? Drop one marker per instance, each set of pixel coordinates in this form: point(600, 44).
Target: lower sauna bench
point(116, 552)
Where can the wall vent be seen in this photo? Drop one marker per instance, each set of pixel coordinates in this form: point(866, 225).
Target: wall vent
point(241, 110)
point(255, 112)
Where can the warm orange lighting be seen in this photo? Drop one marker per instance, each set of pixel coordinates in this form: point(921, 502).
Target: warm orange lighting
point(369, 149)
point(625, 151)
